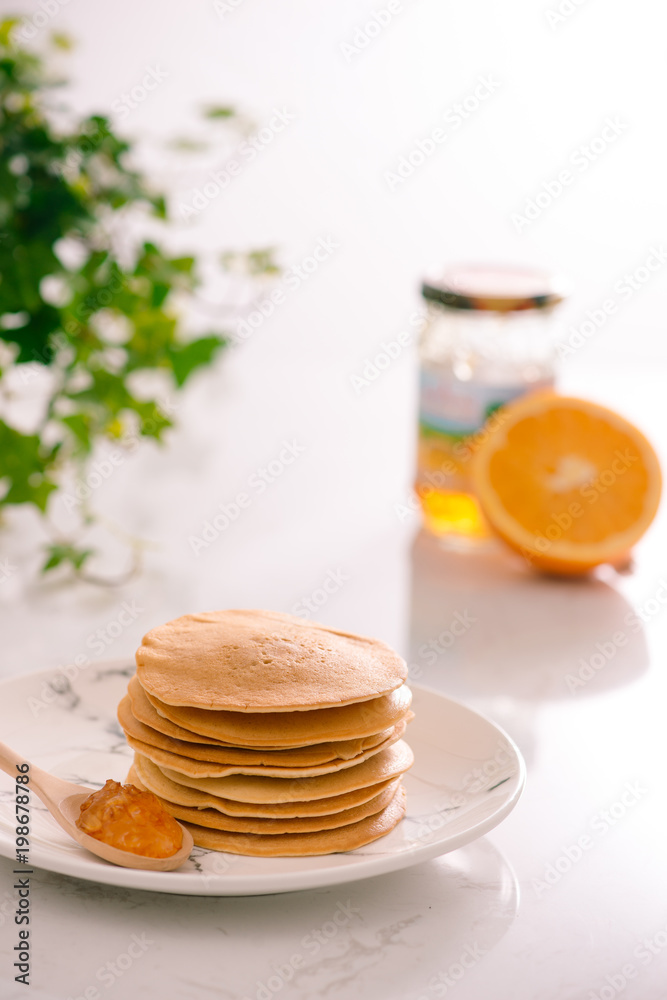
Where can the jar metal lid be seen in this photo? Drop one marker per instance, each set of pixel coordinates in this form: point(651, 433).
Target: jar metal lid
point(495, 289)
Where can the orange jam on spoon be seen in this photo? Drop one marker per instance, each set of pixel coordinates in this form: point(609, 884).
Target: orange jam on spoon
point(131, 820)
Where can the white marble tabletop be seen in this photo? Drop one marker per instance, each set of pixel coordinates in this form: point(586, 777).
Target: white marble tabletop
point(565, 899)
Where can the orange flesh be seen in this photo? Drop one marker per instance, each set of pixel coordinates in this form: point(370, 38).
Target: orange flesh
point(572, 464)
point(568, 483)
point(131, 820)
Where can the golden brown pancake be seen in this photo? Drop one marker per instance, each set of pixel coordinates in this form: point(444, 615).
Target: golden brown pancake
point(144, 712)
point(257, 788)
point(152, 778)
point(292, 729)
point(263, 661)
point(215, 820)
point(317, 753)
point(346, 838)
point(198, 768)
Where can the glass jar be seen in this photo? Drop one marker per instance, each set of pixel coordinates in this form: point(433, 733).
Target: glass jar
point(487, 339)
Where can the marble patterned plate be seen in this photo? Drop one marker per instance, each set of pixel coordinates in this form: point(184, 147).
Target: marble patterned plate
point(468, 775)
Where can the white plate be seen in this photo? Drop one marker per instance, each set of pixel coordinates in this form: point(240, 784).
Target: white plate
point(467, 776)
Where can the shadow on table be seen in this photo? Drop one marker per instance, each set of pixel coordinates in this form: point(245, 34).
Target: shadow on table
point(492, 633)
point(483, 625)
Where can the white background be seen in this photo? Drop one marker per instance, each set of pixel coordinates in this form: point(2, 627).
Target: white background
point(358, 111)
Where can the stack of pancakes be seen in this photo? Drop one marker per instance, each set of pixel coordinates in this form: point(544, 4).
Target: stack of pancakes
point(269, 735)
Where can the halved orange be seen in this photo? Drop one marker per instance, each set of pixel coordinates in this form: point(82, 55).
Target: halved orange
point(567, 483)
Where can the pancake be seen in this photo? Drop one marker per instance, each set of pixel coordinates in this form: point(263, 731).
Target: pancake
point(292, 729)
point(214, 820)
point(263, 661)
point(144, 712)
point(257, 788)
point(152, 778)
point(316, 754)
point(213, 769)
point(346, 838)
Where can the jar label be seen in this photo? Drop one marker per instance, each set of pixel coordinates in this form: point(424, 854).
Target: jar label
point(457, 408)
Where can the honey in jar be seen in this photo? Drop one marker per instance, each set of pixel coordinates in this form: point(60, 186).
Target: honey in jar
point(487, 339)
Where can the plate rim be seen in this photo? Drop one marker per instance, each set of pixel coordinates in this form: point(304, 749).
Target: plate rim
point(223, 885)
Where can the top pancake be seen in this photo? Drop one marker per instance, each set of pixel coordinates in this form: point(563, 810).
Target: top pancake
point(263, 661)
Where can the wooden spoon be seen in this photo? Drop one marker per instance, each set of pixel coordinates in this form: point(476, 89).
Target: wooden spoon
point(63, 800)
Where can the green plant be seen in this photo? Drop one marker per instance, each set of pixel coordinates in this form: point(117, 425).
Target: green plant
point(75, 301)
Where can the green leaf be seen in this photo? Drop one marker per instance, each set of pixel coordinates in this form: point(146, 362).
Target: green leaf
point(62, 42)
point(81, 426)
point(252, 262)
point(24, 463)
point(220, 111)
point(262, 262)
point(187, 145)
point(33, 339)
point(184, 359)
point(159, 293)
point(183, 265)
point(21, 492)
point(152, 421)
point(59, 554)
point(7, 25)
point(159, 204)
